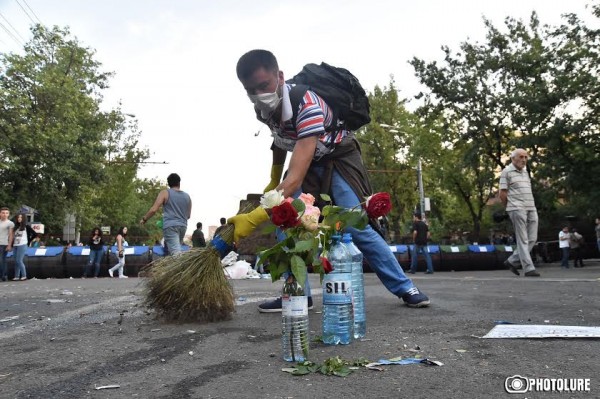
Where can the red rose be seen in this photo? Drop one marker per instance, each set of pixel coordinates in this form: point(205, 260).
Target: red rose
point(326, 265)
point(285, 215)
point(378, 205)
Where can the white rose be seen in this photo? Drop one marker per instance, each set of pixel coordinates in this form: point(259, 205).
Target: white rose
point(271, 198)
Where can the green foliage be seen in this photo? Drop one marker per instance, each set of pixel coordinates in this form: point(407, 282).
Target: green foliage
point(60, 153)
point(335, 366)
point(532, 86)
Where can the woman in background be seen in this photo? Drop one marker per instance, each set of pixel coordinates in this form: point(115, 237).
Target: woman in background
point(96, 251)
point(121, 244)
point(23, 234)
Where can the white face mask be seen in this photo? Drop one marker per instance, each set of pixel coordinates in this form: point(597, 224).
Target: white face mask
point(266, 103)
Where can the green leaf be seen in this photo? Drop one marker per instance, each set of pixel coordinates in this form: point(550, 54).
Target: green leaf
point(303, 246)
point(298, 205)
point(298, 268)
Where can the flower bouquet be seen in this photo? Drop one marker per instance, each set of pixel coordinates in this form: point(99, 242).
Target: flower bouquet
point(306, 241)
point(308, 230)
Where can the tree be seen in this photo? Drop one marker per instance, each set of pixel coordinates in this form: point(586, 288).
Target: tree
point(518, 89)
point(385, 153)
point(60, 153)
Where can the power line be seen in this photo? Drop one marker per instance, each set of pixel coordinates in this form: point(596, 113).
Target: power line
point(25, 11)
point(30, 9)
point(13, 28)
point(11, 34)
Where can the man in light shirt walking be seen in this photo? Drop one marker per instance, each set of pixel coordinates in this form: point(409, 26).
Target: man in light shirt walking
point(516, 195)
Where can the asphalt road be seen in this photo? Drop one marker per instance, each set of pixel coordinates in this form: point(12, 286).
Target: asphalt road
point(62, 338)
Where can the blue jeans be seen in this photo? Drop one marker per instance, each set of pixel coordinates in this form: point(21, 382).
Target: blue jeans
point(3, 262)
point(374, 248)
point(95, 259)
point(174, 238)
point(415, 252)
point(565, 257)
point(19, 254)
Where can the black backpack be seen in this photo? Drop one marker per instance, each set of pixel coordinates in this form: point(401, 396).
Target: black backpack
point(339, 88)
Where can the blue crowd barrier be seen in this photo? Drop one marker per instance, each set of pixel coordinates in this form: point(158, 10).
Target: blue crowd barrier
point(45, 262)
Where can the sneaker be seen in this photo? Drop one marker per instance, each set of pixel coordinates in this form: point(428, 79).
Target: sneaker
point(110, 272)
point(532, 273)
point(415, 299)
point(510, 267)
point(123, 276)
point(428, 272)
point(411, 272)
point(16, 279)
point(274, 306)
point(23, 278)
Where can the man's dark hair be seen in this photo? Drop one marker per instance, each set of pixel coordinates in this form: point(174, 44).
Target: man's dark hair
point(4, 209)
point(223, 221)
point(173, 180)
point(198, 225)
point(254, 60)
point(418, 215)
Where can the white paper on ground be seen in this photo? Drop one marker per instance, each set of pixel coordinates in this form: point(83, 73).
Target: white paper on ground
point(542, 331)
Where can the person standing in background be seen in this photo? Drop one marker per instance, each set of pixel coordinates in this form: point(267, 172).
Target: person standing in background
point(121, 244)
point(198, 237)
point(517, 197)
point(564, 242)
point(20, 242)
point(177, 209)
point(96, 251)
point(420, 234)
point(575, 244)
point(36, 242)
point(6, 239)
point(223, 222)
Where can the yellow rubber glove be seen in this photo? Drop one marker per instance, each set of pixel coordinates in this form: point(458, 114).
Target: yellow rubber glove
point(245, 223)
point(276, 172)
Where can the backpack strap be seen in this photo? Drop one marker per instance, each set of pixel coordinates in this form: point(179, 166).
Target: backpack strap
point(296, 93)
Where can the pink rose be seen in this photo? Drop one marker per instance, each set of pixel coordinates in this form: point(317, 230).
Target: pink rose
point(308, 199)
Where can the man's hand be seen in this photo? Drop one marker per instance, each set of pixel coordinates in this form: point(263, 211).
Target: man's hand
point(245, 223)
point(276, 172)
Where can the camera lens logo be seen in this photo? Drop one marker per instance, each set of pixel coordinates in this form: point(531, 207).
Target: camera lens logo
point(516, 384)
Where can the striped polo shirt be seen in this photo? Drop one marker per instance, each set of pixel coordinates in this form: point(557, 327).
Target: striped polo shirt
point(518, 184)
point(314, 116)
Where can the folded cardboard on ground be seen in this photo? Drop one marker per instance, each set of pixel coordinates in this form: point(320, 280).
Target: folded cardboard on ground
point(542, 331)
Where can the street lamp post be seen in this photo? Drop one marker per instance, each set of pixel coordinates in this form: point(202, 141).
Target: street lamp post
point(421, 191)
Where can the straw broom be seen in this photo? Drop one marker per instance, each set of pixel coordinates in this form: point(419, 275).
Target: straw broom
point(192, 287)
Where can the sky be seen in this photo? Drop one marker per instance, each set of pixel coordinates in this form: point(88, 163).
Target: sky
point(174, 64)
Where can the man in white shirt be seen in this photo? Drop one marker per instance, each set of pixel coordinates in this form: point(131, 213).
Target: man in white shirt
point(6, 239)
point(516, 195)
point(564, 241)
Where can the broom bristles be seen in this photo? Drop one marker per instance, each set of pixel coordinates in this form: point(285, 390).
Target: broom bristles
point(192, 286)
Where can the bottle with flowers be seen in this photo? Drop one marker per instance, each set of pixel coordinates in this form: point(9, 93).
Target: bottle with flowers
point(305, 240)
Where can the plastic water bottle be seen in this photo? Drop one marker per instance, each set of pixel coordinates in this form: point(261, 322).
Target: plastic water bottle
point(358, 287)
point(294, 321)
point(338, 316)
